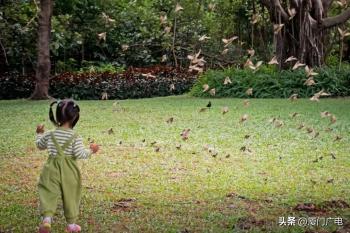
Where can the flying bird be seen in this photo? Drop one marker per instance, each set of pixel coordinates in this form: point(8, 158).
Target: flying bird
point(256, 66)
point(310, 72)
point(227, 81)
point(178, 7)
point(310, 81)
point(273, 61)
point(148, 75)
point(163, 19)
point(107, 18)
point(342, 33)
point(203, 38)
point(292, 12)
point(293, 97)
point(255, 19)
point(251, 52)
point(249, 91)
point(125, 47)
point(297, 65)
point(291, 58)
point(277, 28)
point(224, 52)
point(212, 92)
point(211, 6)
point(167, 29)
point(316, 97)
point(228, 41)
point(102, 36)
point(205, 87)
point(164, 58)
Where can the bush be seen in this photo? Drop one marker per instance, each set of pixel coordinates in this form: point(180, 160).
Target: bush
point(270, 83)
point(132, 83)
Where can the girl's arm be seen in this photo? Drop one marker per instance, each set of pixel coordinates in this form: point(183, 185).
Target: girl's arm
point(41, 138)
point(79, 150)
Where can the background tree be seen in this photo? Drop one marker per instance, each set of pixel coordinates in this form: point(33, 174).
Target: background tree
point(301, 28)
point(43, 68)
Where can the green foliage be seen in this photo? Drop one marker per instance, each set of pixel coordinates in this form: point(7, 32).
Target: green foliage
point(269, 83)
point(76, 24)
point(100, 67)
point(161, 81)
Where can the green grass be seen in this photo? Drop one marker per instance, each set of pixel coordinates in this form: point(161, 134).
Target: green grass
point(184, 189)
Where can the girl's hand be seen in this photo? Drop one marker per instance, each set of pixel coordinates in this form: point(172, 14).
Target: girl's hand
point(40, 129)
point(94, 147)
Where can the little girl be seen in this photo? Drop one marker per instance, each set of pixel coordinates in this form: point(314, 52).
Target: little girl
point(60, 177)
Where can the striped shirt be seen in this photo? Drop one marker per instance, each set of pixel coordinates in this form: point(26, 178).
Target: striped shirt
point(76, 148)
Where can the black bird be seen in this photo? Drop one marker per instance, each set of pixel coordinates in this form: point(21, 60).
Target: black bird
point(209, 105)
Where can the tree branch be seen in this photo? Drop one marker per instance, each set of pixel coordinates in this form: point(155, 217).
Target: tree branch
point(277, 5)
point(326, 4)
point(276, 10)
point(266, 3)
point(319, 12)
point(4, 51)
point(335, 20)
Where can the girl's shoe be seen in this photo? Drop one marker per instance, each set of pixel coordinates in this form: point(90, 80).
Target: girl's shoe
point(45, 227)
point(73, 228)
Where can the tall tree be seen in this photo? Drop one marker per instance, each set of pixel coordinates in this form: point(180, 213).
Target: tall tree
point(43, 68)
point(300, 28)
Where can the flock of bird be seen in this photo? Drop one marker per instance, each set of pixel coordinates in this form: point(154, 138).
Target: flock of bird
point(276, 122)
point(197, 64)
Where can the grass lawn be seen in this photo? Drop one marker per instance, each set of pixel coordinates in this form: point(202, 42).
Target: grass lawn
point(260, 173)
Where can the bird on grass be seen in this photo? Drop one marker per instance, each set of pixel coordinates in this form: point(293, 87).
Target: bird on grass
point(209, 105)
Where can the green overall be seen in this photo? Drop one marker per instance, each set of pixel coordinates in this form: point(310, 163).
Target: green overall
point(60, 178)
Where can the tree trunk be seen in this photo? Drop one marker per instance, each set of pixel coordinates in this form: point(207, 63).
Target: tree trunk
point(303, 35)
point(43, 68)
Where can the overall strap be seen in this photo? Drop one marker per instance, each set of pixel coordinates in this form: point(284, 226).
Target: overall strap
point(58, 147)
point(61, 149)
point(68, 142)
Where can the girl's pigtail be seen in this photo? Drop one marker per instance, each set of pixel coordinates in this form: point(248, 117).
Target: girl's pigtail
point(52, 118)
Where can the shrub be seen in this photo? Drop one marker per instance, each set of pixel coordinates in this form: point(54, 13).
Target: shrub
point(132, 83)
point(270, 83)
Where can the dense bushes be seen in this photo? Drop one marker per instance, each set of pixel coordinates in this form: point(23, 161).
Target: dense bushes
point(269, 83)
point(133, 83)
